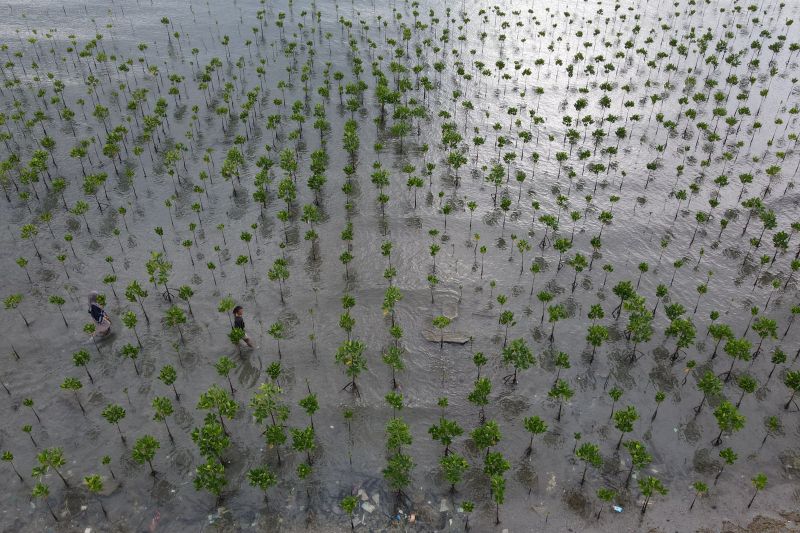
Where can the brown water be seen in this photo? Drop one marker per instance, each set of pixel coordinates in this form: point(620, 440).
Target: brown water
point(542, 490)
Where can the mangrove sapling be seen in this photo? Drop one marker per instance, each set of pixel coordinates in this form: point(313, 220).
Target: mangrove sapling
point(42, 491)
point(303, 441)
point(94, 484)
point(660, 397)
point(719, 332)
point(535, 426)
point(113, 414)
point(765, 328)
point(23, 264)
point(90, 328)
point(453, 467)
point(310, 405)
point(506, 319)
point(211, 266)
point(518, 355)
point(398, 435)
point(50, 458)
point(433, 281)
point(555, 313)
point(173, 318)
point(700, 489)
point(486, 435)
point(280, 273)
point(350, 354)
point(211, 439)
point(773, 426)
point(661, 293)
point(211, 477)
point(677, 264)
point(615, 394)
point(445, 432)
point(242, 262)
point(560, 392)
point(604, 495)
point(578, 263)
point(129, 320)
point(729, 457)
point(393, 359)
point(640, 458)
point(162, 408)
point(236, 336)
point(795, 310)
point(590, 455)
point(106, 461)
point(81, 358)
point(58, 301)
point(223, 366)
point(262, 478)
point(684, 331)
point(159, 270)
point(562, 245)
point(8, 457)
point(535, 268)
point(185, 293)
point(753, 314)
point(776, 285)
point(441, 322)
point(748, 384)
point(134, 293)
point(129, 351)
point(650, 486)
point(398, 472)
point(110, 280)
point(479, 396)
point(74, 385)
point(596, 335)
point(728, 419)
point(737, 349)
point(623, 290)
point(392, 295)
point(12, 302)
point(28, 402)
point(759, 483)
point(561, 362)
point(498, 484)
point(792, 380)
point(623, 421)
point(144, 451)
point(29, 232)
point(167, 376)
point(217, 400)
point(349, 505)
point(226, 306)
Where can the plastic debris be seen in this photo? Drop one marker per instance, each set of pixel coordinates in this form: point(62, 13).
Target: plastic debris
point(617, 508)
point(368, 507)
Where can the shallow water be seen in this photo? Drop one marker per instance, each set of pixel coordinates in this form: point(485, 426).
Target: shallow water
point(542, 490)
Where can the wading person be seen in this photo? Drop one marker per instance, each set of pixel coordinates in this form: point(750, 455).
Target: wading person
point(238, 322)
point(102, 324)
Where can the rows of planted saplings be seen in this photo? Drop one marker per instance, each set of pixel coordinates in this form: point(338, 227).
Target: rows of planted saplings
point(411, 73)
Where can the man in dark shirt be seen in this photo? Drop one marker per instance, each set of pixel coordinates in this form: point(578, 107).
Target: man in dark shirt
point(238, 322)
